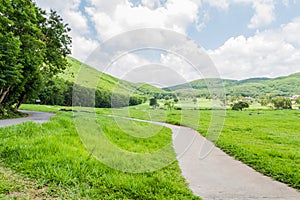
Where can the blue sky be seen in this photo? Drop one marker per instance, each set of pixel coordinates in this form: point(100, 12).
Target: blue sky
point(244, 38)
point(233, 22)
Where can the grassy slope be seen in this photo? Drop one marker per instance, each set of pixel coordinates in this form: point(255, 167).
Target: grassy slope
point(107, 82)
point(269, 142)
point(53, 157)
point(287, 85)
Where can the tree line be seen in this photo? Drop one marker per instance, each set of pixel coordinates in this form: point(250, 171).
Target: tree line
point(34, 45)
point(277, 102)
point(58, 91)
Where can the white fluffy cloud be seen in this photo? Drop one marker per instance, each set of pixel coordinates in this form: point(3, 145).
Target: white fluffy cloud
point(264, 10)
point(112, 18)
point(267, 53)
point(69, 10)
point(186, 71)
point(291, 30)
point(264, 13)
point(221, 4)
point(151, 3)
point(82, 47)
point(123, 66)
point(168, 69)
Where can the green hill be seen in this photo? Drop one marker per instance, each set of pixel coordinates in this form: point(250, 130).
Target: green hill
point(109, 89)
point(93, 88)
point(281, 86)
point(107, 82)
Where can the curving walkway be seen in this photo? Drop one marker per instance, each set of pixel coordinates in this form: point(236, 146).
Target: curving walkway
point(214, 175)
point(38, 117)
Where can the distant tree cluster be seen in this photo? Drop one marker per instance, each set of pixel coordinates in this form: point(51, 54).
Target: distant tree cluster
point(282, 103)
point(58, 91)
point(33, 47)
point(278, 102)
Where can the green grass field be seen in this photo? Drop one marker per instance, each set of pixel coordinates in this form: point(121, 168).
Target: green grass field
point(52, 162)
point(206, 104)
point(267, 140)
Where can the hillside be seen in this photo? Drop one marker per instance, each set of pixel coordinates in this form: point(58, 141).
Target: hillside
point(93, 88)
point(283, 86)
point(107, 82)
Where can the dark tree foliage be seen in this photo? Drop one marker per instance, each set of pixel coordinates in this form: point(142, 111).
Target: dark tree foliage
point(55, 92)
point(58, 91)
point(153, 102)
point(176, 100)
point(33, 48)
point(136, 100)
point(240, 106)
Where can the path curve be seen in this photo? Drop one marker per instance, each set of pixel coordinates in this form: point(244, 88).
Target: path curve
point(38, 117)
point(214, 175)
point(219, 176)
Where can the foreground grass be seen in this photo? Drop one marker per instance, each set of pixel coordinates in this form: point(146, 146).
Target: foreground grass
point(267, 140)
point(14, 186)
point(53, 157)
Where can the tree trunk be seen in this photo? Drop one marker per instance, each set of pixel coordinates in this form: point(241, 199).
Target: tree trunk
point(4, 94)
point(20, 101)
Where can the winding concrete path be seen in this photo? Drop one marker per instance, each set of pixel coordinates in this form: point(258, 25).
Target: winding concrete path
point(214, 175)
point(38, 117)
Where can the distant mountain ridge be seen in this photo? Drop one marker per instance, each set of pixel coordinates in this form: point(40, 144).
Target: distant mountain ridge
point(281, 86)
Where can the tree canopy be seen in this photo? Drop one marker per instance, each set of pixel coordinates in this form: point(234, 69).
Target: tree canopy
point(240, 105)
point(34, 45)
point(282, 103)
point(153, 102)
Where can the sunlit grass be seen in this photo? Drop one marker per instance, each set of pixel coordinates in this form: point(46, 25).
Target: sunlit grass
point(53, 156)
point(267, 140)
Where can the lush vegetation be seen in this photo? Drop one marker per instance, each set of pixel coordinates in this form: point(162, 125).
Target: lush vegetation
point(67, 89)
point(33, 47)
point(255, 87)
point(267, 140)
point(240, 105)
point(52, 158)
point(8, 114)
point(52, 162)
point(277, 93)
